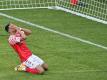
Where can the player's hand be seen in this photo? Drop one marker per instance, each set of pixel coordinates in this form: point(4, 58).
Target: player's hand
point(18, 28)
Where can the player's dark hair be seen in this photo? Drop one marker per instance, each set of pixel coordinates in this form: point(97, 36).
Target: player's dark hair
point(7, 27)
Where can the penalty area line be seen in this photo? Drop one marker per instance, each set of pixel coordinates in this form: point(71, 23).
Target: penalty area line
point(53, 31)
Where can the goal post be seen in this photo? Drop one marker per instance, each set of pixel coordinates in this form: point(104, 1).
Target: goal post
point(91, 9)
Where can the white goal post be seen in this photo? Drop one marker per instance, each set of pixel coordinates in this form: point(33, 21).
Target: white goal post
point(91, 9)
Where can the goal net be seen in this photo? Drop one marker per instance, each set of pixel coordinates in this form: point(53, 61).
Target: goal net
point(91, 9)
point(25, 4)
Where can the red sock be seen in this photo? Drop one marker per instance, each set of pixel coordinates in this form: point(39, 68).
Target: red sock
point(33, 71)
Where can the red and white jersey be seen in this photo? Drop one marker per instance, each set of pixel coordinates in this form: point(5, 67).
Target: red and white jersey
point(20, 46)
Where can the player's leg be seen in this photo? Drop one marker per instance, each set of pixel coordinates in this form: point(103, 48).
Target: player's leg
point(23, 67)
point(40, 62)
point(45, 66)
point(41, 69)
point(34, 65)
point(37, 70)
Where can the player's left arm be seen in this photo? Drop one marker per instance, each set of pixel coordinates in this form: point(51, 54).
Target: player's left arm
point(22, 33)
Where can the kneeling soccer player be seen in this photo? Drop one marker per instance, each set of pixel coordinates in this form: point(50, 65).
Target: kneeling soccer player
point(29, 62)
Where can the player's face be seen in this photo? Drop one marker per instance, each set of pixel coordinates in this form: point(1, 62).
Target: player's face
point(12, 28)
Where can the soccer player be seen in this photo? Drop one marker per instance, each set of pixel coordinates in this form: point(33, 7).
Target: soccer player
point(29, 62)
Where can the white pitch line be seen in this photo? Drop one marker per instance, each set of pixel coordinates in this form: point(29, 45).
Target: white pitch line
point(78, 71)
point(53, 31)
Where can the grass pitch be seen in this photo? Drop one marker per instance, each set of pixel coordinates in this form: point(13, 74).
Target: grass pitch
point(68, 59)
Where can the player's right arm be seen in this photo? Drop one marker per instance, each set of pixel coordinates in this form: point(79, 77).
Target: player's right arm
point(26, 31)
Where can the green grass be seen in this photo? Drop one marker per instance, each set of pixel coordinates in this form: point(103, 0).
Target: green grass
point(68, 59)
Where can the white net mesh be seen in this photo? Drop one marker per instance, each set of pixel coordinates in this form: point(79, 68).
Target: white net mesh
point(20, 4)
point(92, 8)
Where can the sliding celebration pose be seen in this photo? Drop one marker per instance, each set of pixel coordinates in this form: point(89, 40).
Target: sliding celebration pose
point(29, 62)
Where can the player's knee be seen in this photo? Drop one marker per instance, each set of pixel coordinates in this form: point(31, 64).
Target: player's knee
point(41, 71)
point(45, 66)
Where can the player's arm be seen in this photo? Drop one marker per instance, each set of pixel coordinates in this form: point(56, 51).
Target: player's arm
point(22, 33)
point(26, 31)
